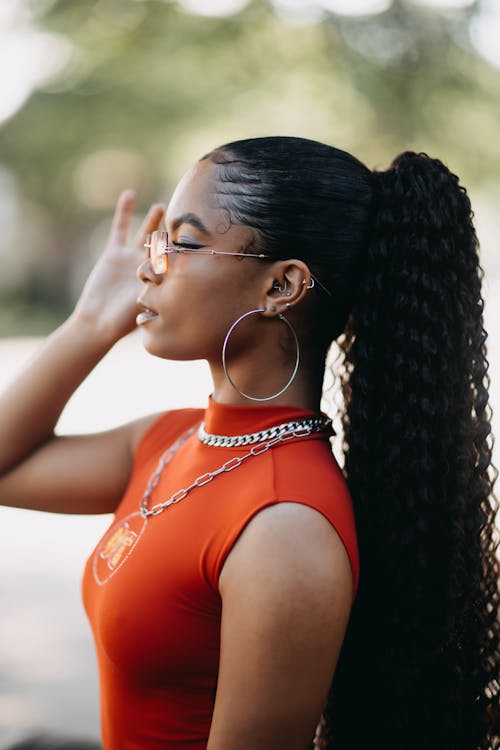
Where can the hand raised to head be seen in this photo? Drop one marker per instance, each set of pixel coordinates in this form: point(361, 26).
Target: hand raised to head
point(109, 298)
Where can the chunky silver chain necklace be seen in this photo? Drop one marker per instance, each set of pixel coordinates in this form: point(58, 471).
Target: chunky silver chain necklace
point(264, 440)
point(234, 441)
point(121, 540)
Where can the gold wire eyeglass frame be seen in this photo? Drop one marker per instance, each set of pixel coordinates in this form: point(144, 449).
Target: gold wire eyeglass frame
point(159, 250)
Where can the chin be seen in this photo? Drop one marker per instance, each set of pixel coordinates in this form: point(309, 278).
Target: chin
point(176, 353)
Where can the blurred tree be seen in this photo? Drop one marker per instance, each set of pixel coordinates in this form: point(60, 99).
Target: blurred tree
point(149, 88)
point(418, 71)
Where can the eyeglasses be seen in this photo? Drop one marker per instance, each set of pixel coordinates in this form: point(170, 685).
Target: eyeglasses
point(159, 250)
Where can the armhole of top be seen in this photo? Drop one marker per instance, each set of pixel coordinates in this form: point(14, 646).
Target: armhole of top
point(151, 432)
point(351, 549)
point(150, 429)
point(148, 433)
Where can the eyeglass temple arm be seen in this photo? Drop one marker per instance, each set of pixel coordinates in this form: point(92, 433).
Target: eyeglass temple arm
point(174, 249)
point(321, 285)
point(212, 252)
point(243, 255)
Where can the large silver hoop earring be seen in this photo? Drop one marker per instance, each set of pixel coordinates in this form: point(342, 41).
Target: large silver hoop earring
point(224, 364)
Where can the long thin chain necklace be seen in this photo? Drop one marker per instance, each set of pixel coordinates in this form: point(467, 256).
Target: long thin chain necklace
point(278, 434)
point(121, 540)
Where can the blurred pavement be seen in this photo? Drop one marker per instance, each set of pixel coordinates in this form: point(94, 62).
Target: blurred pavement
point(47, 671)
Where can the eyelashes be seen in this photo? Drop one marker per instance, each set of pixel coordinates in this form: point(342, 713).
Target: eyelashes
point(186, 245)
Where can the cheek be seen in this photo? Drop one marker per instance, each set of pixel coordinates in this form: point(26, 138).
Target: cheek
point(189, 325)
point(197, 305)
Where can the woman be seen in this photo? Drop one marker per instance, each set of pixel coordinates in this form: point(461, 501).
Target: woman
point(225, 595)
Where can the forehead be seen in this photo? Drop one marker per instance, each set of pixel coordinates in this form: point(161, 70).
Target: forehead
point(196, 193)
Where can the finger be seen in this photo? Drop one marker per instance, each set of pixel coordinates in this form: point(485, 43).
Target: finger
point(122, 215)
point(151, 222)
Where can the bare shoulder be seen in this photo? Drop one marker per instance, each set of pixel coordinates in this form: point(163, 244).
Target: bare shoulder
point(286, 589)
point(287, 540)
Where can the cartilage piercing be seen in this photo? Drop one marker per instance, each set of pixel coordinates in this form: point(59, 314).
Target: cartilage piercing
point(276, 286)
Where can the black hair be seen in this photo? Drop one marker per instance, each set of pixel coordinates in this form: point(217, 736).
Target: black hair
point(301, 198)
point(419, 666)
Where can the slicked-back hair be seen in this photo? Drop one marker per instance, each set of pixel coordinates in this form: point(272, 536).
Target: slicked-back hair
point(420, 663)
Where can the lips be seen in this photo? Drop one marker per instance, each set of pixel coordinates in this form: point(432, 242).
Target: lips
point(147, 314)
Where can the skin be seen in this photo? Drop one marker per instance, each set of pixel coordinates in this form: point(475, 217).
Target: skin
point(286, 586)
point(220, 289)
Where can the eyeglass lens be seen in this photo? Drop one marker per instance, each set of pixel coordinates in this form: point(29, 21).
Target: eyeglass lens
point(156, 242)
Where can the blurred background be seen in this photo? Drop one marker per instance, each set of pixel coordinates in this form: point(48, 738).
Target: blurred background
point(98, 95)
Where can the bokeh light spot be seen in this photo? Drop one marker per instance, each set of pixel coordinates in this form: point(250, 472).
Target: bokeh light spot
point(213, 7)
point(31, 58)
point(356, 7)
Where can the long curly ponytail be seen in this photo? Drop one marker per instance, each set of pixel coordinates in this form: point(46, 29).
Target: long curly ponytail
point(419, 667)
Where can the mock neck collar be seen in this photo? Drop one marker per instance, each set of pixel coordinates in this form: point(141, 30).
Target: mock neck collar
point(235, 419)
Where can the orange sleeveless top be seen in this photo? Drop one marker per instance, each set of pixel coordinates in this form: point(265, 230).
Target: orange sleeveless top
point(150, 588)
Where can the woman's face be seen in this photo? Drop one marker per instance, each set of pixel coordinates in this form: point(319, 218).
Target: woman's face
point(199, 296)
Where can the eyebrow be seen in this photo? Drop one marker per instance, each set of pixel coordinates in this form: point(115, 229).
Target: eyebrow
point(192, 219)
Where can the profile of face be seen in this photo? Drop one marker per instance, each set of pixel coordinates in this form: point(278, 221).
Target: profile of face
point(201, 294)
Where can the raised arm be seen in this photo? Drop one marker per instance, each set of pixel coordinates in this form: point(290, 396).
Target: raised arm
point(78, 473)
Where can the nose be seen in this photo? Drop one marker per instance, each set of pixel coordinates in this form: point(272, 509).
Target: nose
point(145, 273)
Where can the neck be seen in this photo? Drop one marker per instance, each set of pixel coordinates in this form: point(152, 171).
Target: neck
point(304, 391)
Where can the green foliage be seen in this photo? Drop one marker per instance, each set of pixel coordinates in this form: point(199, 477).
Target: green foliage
point(149, 88)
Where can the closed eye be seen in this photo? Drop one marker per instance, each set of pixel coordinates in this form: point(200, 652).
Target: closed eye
point(186, 245)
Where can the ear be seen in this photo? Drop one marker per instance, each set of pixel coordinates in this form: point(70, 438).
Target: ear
point(286, 285)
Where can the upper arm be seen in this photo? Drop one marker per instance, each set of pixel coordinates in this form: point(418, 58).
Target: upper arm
point(76, 473)
point(286, 590)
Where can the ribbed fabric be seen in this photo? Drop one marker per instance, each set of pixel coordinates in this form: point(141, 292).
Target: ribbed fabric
point(150, 588)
